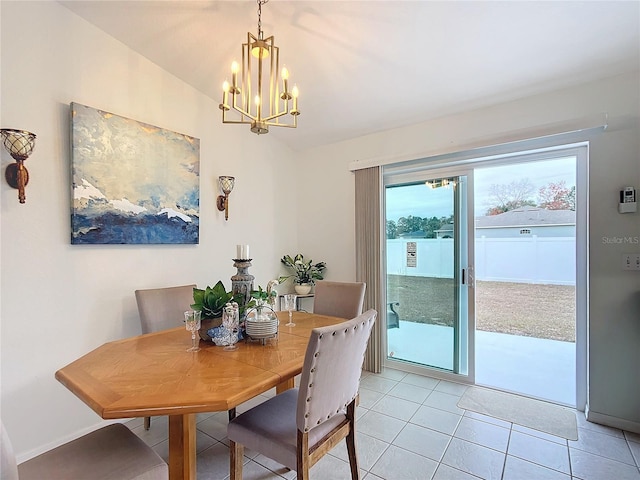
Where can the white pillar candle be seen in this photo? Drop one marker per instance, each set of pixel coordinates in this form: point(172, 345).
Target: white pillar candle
point(242, 252)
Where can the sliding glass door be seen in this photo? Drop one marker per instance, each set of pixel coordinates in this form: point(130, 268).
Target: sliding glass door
point(428, 290)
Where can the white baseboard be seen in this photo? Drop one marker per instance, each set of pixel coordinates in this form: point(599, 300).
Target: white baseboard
point(610, 421)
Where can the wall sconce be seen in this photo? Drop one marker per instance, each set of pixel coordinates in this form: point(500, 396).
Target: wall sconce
point(226, 185)
point(19, 144)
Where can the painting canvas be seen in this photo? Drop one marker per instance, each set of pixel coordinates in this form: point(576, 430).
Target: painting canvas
point(133, 183)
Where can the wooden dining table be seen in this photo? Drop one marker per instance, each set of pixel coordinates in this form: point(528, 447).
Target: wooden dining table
point(153, 374)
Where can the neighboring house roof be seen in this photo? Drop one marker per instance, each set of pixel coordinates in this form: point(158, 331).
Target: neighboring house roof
point(445, 230)
point(528, 217)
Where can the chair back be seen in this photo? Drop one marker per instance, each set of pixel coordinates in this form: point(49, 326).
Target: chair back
point(8, 466)
point(339, 299)
point(331, 371)
point(163, 308)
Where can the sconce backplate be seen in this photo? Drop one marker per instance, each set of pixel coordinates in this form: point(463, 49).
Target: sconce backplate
point(11, 174)
point(220, 202)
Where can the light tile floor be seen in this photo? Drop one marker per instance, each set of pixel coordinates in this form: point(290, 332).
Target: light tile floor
point(410, 427)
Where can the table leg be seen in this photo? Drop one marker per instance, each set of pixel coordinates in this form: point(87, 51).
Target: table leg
point(286, 385)
point(182, 447)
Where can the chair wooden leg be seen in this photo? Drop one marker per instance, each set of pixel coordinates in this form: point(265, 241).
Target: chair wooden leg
point(236, 453)
point(147, 423)
point(302, 461)
point(351, 442)
point(353, 459)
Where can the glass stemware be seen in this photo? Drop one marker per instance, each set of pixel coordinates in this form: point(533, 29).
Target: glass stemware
point(290, 306)
point(230, 322)
point(192, 324)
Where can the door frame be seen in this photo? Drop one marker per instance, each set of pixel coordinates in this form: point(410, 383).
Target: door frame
point(444, 163)
point(423, 175)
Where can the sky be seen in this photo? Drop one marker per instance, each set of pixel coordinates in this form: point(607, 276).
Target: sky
point(418, 200)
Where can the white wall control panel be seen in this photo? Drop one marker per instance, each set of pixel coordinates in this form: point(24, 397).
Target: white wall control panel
point(628, 202)
point(631, 261)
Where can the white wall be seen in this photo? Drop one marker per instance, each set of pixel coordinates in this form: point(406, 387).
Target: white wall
point(614, 298)
point(61, 301)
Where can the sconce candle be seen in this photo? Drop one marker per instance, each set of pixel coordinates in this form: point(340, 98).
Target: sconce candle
point(19, 144)
point(226, 185)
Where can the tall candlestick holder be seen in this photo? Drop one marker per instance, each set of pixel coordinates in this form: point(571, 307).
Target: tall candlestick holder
point(242, 282)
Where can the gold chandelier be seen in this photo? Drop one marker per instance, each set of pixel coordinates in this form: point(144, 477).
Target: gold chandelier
point(262, 96)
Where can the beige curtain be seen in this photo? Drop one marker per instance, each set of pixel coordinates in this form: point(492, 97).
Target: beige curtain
point(368, 254)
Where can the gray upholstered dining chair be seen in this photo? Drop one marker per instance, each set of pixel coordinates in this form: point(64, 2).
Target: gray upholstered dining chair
point(109, 453)
point(299, 426)
point(163, 308)
point(339, 299)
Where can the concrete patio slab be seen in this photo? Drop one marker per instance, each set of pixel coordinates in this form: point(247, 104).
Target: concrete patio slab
point(535, 367)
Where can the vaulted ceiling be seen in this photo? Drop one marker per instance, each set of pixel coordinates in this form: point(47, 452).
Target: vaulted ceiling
point(366, 66)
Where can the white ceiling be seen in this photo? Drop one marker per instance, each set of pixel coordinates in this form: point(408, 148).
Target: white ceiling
point(366, 66)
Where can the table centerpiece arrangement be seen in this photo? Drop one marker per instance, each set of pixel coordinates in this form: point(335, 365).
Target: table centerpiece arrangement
point(261, 322)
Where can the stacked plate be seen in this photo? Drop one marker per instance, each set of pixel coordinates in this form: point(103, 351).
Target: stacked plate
point(262, 329)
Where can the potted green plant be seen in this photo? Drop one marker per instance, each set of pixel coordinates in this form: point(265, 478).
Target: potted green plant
point(262, 298)
point(305, 272)
point(210, 302)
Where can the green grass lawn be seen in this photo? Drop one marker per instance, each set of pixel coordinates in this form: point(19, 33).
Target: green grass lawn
point(541, 311)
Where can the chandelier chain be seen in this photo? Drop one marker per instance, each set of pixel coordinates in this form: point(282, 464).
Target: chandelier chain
point(260, 3)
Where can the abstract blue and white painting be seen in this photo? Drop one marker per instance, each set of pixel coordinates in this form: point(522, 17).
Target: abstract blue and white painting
point(133, 183)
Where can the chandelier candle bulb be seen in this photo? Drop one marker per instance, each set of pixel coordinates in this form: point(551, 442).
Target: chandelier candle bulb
point(285, 82)
point(225, 90)
point(294, 92)
point(234, 75)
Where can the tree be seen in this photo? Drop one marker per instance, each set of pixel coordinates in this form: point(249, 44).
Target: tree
point(430, 225)
point(506, 197)
point(409, 224)
point(556, 196)
point(392, 229)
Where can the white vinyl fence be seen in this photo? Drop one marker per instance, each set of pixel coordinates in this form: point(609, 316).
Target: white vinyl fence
point(543, 260)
